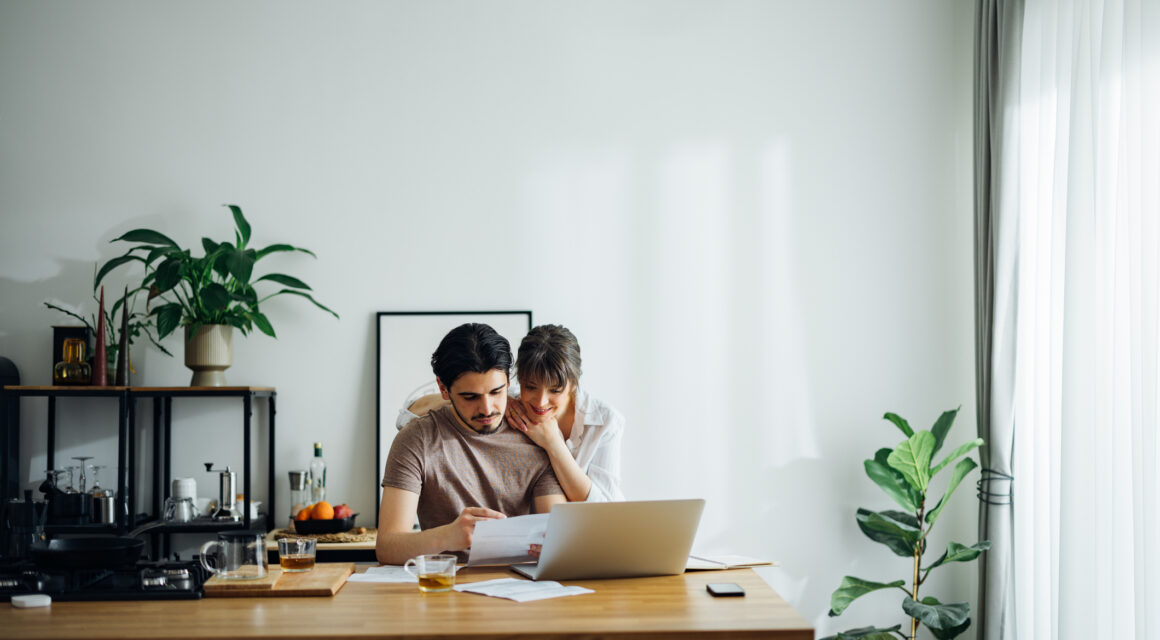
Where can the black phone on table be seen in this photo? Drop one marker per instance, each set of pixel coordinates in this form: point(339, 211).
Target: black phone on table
point(722, 589)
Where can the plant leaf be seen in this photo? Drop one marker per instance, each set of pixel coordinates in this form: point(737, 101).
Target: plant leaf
point(943, 617)
point(960, 553)
point(961, 470)
point(942, 426)
point(113, 264)
point(853, 588)
point(866, 633)
point(883, 529)
point(262, 253)
point(289, 281)
point(147, 236)
point(208, 245)
point(307, 296)
point(977, 442)
point(901, 423)
point(240, 265)
point(906, 519)
point(882, 457)
point(912, 459)
point(240, 222)
point(892, 482)
point(952, 632)
point(215, 297)
point(168, 274)
point(168, 319)
point(263, 324)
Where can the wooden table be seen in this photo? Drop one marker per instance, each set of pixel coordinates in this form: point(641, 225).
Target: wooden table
point(637, 608)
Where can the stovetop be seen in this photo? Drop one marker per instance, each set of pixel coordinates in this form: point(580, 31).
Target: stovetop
point(174, 580)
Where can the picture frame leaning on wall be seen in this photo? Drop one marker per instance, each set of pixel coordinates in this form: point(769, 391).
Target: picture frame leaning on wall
point(405, 341)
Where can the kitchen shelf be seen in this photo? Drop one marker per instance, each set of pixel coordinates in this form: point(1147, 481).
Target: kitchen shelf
point(10, 404)
point(127, 517)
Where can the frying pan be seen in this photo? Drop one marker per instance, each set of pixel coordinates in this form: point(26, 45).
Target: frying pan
point(87, 553)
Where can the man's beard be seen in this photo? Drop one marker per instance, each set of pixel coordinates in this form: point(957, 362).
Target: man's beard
point(471, 425)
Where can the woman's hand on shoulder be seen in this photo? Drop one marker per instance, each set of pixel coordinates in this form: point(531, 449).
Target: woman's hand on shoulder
point(542, 433)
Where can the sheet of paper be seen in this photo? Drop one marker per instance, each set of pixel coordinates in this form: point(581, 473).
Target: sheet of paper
point(385, 573)
point(726, 561)
point(521, 590)
point(505, 541)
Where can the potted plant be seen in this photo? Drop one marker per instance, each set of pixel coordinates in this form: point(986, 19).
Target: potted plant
point(138, 324)
point(905, 474)
point(208, 295)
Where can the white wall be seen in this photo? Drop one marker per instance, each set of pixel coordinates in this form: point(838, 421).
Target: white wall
point(754, 215)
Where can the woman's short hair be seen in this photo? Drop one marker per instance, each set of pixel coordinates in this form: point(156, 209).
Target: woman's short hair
point(550, 356)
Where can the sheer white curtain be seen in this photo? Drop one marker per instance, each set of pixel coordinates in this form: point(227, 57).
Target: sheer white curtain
point(1077, 294)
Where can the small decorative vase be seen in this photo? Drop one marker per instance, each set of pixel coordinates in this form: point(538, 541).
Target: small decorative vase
point(73, 369)
point(209, 353)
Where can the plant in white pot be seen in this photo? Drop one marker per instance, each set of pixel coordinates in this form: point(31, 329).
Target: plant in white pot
point(208, 295)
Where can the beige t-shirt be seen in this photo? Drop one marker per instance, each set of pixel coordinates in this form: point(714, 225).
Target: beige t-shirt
point(452, 467)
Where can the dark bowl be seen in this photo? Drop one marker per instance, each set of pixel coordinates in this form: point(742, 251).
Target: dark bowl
point(307, 527)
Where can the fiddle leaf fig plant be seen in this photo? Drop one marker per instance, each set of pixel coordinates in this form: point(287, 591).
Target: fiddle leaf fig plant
point(215, 288)
point(905, 473)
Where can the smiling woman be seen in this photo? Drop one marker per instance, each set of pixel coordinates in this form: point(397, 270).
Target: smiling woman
point(581, 434)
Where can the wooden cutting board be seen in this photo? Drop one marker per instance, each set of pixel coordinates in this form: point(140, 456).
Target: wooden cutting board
point(324, 580)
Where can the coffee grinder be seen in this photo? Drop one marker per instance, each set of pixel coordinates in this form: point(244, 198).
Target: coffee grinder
point(227, 510)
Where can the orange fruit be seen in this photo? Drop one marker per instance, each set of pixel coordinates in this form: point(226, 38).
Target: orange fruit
point(322, 511)
point(303, 514)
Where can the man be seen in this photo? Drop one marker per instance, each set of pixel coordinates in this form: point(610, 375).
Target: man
point(461, 463)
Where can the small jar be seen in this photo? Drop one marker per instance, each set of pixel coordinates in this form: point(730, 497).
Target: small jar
point(73, 369)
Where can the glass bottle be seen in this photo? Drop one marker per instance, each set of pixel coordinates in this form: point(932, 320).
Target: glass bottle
point(317, 475)
point(73, 369)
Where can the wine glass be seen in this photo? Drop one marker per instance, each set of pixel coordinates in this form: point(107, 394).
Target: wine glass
point(82, 468)
point(98, 491)
point(71, 471)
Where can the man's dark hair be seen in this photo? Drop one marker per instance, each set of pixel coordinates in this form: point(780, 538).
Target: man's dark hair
point(471, 348)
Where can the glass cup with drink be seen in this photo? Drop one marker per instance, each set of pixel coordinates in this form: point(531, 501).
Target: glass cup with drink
point(296, 554)
point(435, 572)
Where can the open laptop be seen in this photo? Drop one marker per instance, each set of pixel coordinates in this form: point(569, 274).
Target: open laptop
point(616, 540)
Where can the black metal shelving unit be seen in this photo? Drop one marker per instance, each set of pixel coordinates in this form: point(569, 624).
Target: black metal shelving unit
point(127, 517)
point(11, 401)
point(162, 406)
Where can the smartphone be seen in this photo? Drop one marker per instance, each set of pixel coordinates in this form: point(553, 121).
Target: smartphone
point(721, 589)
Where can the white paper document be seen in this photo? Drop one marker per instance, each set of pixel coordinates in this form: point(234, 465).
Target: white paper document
point(506, 540)
point(385, 573)
point(728, 561)
point(521, 590)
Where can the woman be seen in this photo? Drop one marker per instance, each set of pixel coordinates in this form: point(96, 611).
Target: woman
point(580, 433)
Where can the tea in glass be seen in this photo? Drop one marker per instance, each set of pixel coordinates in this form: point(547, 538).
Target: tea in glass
point(296, 554)
point(435, 572)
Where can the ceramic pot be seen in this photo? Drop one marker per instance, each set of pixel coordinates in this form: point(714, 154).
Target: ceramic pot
point(209, 353)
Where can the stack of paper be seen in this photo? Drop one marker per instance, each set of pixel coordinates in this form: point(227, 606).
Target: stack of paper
point(521, 590)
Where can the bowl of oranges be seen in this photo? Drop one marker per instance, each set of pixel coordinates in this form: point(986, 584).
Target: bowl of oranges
point(321, 517)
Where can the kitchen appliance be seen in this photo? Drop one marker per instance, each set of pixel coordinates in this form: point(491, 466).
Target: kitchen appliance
point(299, 491)
point(237, 555)
point(173, 580)
point(228, 509)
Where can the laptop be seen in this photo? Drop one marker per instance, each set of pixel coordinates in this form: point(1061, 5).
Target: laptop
point(588, 540)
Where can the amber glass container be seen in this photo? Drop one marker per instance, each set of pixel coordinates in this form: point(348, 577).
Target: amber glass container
point(73, 369)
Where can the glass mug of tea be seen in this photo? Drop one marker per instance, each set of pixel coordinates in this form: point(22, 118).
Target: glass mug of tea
point(435, 572)
point(237, 555)
point(296, 554)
